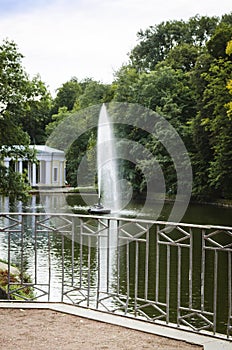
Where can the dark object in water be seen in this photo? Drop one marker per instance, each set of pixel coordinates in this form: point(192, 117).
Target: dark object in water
point(98, 209)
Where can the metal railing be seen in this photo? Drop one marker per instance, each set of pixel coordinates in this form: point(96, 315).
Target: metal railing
point(162, 272)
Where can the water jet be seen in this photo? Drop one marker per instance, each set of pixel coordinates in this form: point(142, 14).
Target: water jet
point(107, 170)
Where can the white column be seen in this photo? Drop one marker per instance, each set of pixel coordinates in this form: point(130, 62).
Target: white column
point(20, 166)
point(5, 204)
point(33, 204)
point(29, 172)
point(33, 174)
point(48, 173)
point(7, 162)
point(61, 174)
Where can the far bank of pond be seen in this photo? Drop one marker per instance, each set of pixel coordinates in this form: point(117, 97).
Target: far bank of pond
point(69, 200)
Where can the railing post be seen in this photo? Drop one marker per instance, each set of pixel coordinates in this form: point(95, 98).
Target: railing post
point(178, 284)
point(191, 269)
point(215, 290)
point(229, 327)
point(203, 269)
point(136, 276)
point(157, 264)
point(62, 267)
point(168, 285)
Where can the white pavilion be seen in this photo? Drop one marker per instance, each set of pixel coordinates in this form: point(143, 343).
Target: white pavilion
point(50, 170)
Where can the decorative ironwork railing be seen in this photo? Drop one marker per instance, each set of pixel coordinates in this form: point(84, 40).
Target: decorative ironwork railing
point(163, 272)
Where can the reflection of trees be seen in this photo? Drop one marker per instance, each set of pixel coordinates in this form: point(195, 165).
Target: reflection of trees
point(136, 271)
point(43, 252)
point(76, 259)
point(139, 277)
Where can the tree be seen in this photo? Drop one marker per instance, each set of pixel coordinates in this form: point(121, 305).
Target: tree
point(67, 95)
point(19, 96)
point(182, 56)
point(219, 125)
point(37, 113)
point(24, 103)
point(218, 41)
point(180, 70)
point(13, 95)
point(93, 94)
point(211, 127)
point(166, 91)
point(73, 97)
point(229, 48)
point(156, 42)
point(13, 184)
point(57, 119)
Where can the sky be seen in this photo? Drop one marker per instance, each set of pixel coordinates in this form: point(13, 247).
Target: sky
point(61, 39)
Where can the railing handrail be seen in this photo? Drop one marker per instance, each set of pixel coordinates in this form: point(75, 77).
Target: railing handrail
point(118, 218)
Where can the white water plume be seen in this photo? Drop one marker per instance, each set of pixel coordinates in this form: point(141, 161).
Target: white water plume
point(107, 167)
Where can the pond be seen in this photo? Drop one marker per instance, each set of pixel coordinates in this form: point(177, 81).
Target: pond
point(126, 271)
point(196, 213)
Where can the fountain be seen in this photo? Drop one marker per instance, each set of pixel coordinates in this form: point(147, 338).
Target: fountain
point(107, 170)
point(99, 208)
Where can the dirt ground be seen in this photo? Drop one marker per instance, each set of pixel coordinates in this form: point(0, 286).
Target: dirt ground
point(27, 329)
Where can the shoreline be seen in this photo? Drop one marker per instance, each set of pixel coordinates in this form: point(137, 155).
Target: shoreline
point(226, 203)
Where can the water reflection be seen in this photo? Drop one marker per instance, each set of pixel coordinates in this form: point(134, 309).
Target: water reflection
point(116, 269)
point(196, 213)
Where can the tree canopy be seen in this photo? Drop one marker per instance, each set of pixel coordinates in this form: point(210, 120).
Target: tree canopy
point(181, 70)
point(24, 112)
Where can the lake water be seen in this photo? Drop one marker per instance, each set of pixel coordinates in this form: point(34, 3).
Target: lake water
point(196, 213)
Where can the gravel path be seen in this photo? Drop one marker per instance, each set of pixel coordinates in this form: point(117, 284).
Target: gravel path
point(27, 329)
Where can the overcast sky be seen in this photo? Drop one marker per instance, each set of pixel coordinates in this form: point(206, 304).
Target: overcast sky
point(61, 39)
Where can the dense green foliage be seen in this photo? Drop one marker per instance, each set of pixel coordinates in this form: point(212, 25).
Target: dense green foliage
point(24, 112)
point(181, 70)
